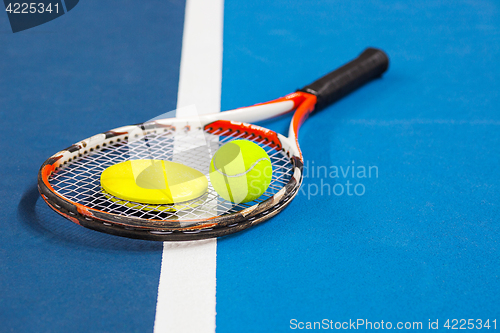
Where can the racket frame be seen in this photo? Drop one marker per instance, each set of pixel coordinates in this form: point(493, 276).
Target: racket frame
point(134, 227)
point(367, 66)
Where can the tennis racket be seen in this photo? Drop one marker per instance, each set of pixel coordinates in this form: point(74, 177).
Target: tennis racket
point(69, 181)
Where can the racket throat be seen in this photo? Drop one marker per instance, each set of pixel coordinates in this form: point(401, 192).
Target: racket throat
point(300, 116)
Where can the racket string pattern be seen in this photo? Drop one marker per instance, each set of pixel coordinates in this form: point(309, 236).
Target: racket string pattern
point(79, 181)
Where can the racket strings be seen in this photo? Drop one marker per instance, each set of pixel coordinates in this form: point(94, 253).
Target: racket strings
point(79, 180)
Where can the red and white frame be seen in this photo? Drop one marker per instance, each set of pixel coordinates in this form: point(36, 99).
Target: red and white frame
point(235, 120)
point(370, 64)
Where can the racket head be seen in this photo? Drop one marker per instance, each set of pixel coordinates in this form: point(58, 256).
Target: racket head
point(69, 180)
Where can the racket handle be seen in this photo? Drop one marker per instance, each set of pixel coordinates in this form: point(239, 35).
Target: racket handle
point(330, 88)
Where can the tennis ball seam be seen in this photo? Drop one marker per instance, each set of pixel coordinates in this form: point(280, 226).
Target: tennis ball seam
point(243, 173)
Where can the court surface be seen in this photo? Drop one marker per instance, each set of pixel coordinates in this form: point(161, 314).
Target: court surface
point(413, 239)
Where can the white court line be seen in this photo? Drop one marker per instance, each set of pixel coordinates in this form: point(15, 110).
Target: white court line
point(186, 292)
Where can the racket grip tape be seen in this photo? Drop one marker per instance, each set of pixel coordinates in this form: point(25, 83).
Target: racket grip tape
point(370, 64)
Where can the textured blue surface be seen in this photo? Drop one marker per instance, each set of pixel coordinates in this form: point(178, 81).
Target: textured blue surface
point(422, 242)
point(100, 66)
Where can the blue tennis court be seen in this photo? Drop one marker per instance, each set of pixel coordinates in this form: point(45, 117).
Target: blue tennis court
point(396, 222)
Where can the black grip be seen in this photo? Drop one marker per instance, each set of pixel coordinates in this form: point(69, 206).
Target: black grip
point(330, 88)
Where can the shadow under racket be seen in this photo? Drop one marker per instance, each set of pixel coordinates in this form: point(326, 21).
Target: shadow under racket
point(40, 219)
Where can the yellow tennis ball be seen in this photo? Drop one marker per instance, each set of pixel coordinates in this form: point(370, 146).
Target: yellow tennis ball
point(240, 171)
